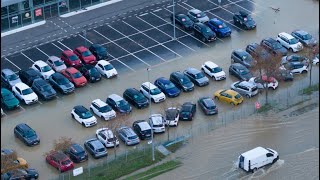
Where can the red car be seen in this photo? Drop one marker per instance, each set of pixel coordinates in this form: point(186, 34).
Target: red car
point(71, 59)
point(60, 161)
point(74, 76)
point(85, 55)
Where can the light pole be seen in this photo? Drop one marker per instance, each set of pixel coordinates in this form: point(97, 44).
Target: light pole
point(174, 19)
point(148, 70)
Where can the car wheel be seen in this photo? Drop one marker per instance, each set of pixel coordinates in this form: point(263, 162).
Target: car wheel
point(217, 98)
point(232, 104)
point(291, 49)
point(304, 71)
point(72, 116)
point(83, 124)
point(247, 95)
point(214, 78)
point(203, 39)
point(254, 170)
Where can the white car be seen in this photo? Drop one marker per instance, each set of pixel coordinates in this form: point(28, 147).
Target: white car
point(106, 137)
point(24, 93)
point(296, 67)
point(106, 69)
point(83, 116)
point(157, 123)
point(2, 113)
point(172, 116)
point(289, 42)
point(155, 93)
point(213, 70)
point(271, 82)
point(102, 109)
point(56, 63)
point(45, 70)
point(315, 60)
point(197, 16)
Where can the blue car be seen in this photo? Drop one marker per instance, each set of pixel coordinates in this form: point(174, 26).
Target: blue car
point(219, 27)
point(167, 87)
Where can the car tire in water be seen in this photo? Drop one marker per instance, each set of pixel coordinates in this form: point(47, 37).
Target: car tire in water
point(232, 104)
point(247, 95)
point(203, 39)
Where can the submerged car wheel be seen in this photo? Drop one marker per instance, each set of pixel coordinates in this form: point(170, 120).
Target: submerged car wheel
point(232, 104)
point(203, 39)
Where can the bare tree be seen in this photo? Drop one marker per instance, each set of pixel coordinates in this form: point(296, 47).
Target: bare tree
point(61, 144)
point(268, 64)
point(310, 54)
point(7, 161)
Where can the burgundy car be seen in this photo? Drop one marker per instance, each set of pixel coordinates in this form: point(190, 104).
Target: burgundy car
point(74, 76)
point(85, 55)
point(71, 59)
point(60, 161)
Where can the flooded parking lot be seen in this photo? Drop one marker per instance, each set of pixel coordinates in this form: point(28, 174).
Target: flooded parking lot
point(52, 119)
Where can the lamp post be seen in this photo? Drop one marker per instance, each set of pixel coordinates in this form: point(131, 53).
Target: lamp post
point(148, 70)
point(174, 19)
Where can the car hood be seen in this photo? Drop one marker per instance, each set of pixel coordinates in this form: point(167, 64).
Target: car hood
point(202, 80)
point(47, 74)
point(30, 97)
point(11, 102)
point(141, 101)
point(82, 79)
point(125, 108)
point(89, 58)
point(246, 77)
point(32, 138)
point(311, 41)
point(188, 85)
point(221, 73)
point(60, 68)
point(14, 82)
point(158, 96)
point(67, 86)
point(250, 23)
point(110, 113)
point(111, 72)
point(282, 51)
point(225, 30)
point(203, 19)
point(172, 91)
point(49, 93)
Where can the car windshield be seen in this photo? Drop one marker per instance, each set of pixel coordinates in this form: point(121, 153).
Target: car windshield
point(207, 30)
point(243, 71)
point(66, 162)
point(93, 71)
point(62, 81)
point(86, 53)
point(46, 87)
point(185, 80)
point(77, 75)
point(294, 58)
point(121, 103)
point(223, 25)
point(101, 50)
point(238, 96)
point(86, 115)
point(199, 75)
point(155, 91)
point(30, 133)
point(46, 68)
point(306, 37)
point(247, 18)
point(276, 45)
point(293, 41)
point(169, 86)
point(27, 91)
point(216, 69)
point(13, 77)
point(58, 63)
point(132, 137)
point(138, 97)
point(79, 153)
point(100, 150)
point(108, 67)
point(104, 109)
point(8, 96)
point(73, 58)
point(201, 15)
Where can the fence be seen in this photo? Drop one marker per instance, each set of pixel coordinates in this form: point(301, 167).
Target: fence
point(280, 99)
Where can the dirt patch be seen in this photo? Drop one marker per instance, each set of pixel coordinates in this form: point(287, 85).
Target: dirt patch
point(303, 109)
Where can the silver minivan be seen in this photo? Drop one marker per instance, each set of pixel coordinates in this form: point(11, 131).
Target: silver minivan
point(245, 88)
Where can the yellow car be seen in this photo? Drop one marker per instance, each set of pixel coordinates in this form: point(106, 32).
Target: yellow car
point(230, 96)
point(18, 163)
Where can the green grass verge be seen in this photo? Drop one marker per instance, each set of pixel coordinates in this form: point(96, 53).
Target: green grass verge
point(265, 108)
point(309, 90)
point(174, 147)
point(120, 167)
point(156, 171)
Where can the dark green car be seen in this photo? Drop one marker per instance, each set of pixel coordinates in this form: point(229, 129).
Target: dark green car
point(8, 100)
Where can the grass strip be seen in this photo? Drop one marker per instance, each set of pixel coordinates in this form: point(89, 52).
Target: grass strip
point(309, 90)
point(174, 147)
point(156, 171)
point(265, 108)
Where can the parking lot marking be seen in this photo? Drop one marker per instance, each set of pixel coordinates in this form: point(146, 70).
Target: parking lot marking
point(157, 10)
point(116, 59)
point(12, 63)
point(143, 14)
point(42, 52)
point(64, 45)
point(26, 57)
point(40, 102)
point(127, 50)
point(57, 46)
point(85, 39)
point(255, 13)
point(181, 29)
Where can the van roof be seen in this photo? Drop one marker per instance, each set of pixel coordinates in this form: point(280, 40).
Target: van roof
point(256, 152)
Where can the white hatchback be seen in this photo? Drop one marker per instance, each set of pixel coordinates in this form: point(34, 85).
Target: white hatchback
point(259, 82)
point(45, 70)
point(24, 93)
point(106, 69)
point(157, 123)
point(102, 109)
point(213, 70)
point(106, 137)
point(289, 42)
point(155, 93)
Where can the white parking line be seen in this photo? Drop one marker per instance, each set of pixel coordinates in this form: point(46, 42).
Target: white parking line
point(85, 39)
point(168, 34)
point(26, 57)
point(57, 46)
point(143, 14)
point(255, 13)
point(42, 52)
point(12, 63)
point(64, 45)
point(157, 10)
point(257, 4)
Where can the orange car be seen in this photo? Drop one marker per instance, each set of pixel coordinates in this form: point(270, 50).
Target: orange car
point(8, 165)
point(229, 96)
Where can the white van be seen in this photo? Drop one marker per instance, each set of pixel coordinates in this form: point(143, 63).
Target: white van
point(256, 158)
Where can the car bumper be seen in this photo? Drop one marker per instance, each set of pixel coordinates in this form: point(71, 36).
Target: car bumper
point(159, 100)
point(100, 155)
point(131, 143)
point(220, 78)
point(203, 84)
point(188, 89)
point(90, 124)
point(159, 130)
point(31, 102)
point(172, 123)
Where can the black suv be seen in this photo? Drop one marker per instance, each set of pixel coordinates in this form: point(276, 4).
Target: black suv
point(183, 21)
point(142, 128)
point(256, 50)
point(99, 52)
point(27, 76)
point(136, 98)
point(274, 46)
point(197, 77)
point(242, 57)
point(90, 73)
point(188, 109)
point(240, 71)
point(43, 89)
point(244, 20)
point(17, 174)
point(77, 153)
point(203, 32)
point(181, 81)
point(26, 134)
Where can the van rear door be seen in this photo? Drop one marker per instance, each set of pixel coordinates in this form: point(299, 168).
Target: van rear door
point(241, 162)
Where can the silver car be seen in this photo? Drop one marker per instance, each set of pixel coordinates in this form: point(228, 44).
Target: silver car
point(95, 148)
point(304, 37)
point(56, 63)
point(197, 16)
point(128, 136)
point(9, 78)
point(245, 88)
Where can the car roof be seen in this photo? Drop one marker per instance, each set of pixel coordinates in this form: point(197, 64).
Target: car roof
point(231, 92)
point(59, 155)
point(96, 143)
point(21, 86)
point(54, 58)
point(99, 102)
point(178, 74)
point(147, 84)
point(246, 83)
point(156, 118)
point(106, 131)
point(196, 11)
point(144, 125)
point(127, 130)
point(284, 34)
point(301, 32)
point(31, 72)
point(76, 148)
point(270, 39)
point(7, 71)
point(132, 91)
point(40, 63)
point(71, 70)
point(238, 66)
point(201, 25)
point(241, 52)
point(243, 13)
point(5, 91)
point(81, 48)
point(208, 102)
point(57, 75)
point(211, 64)
point(192, 70)
point(115, 97)
point(81, 109)
point(68, 52)
point(216, 21)
point(163, 80)
point(103, 62)
point(181, 15)
point(40, 81)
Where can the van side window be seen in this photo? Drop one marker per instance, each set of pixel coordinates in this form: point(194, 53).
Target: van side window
point(269, 155)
